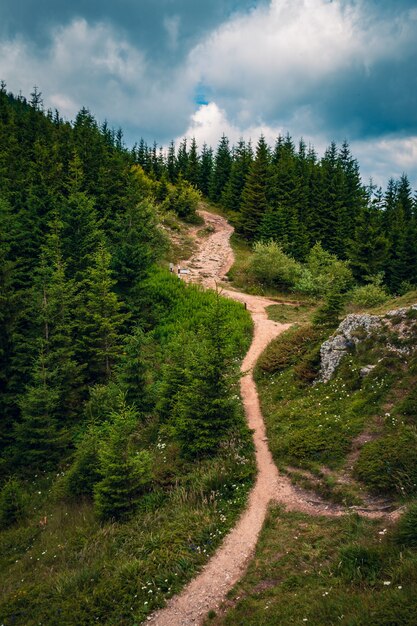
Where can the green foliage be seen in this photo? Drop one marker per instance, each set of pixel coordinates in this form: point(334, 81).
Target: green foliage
point(183, 199)
point(329, 313)
point(360, 564)
point(101, 318)
point(270, 266)
point(125, 472)
point(389, 463)
point(323, 273)
point(370, 295)
point(13, 503)
point(205, 412)
point(287, 349)
point(84, 472)
point(255, 193)
point(405, 532)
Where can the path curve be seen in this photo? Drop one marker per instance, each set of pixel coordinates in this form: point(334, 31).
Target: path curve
point(208, 589)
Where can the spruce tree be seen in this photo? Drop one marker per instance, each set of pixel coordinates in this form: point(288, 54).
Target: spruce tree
point(206, 169)
point(368, 248)
point(101, 319)
point(193, 165)
point(221, 170)
point(232, 194)
point(254, 196)
point(205, 411)
point(125, 472)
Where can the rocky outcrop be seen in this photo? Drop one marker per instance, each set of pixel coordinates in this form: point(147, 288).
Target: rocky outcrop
point(347, 337)
point(334, 349)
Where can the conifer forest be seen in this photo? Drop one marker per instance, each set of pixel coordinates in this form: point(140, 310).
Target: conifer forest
point(123, 436)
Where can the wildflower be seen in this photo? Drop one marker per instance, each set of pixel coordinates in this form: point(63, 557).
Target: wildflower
point(387, 582)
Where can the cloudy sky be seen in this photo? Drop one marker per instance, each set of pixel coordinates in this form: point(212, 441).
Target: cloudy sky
point(325, 70)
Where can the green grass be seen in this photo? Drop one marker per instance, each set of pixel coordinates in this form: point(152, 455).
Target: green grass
point(74, 570)
point(291, 314)
point(311, 426)
point(322, 571)
point(396, 303)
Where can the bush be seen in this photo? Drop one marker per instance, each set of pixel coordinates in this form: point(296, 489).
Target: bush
point(390, 464)
point(286, 349)
point(271, 267)
point(84, 472)
point(183, 199)
point(371, 294)
point(328, 314)
point(406, 531)
point(322, 273)
point(12, 503)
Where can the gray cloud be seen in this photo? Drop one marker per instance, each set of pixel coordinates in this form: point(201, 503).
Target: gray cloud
point(325, 70)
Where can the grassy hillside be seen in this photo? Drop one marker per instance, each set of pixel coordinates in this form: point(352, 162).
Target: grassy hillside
point(353, 441)
point(359, 425)
point(62, 564)
point(324, 571)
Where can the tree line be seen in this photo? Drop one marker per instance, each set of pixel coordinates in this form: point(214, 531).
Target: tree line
point(289, 195)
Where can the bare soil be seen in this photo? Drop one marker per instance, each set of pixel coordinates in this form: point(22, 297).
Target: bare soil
point(208, 266)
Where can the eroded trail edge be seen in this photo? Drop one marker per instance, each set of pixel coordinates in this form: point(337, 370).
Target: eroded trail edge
point(208, 589)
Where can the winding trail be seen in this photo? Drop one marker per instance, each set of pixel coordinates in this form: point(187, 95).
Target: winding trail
point(208, 589)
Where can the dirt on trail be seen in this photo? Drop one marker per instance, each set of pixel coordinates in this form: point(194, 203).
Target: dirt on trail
point(208, 589)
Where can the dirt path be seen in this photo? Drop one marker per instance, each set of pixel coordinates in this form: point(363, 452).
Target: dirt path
point(208, 267)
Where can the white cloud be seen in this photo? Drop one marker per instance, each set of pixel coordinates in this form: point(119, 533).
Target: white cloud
point(276, 58)
point(210, 122)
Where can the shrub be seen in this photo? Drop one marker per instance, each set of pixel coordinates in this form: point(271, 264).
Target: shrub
point(389, 463)
point(308, 368)
point(371, 294)
point(183, 199)
point(12, 503)
point(84, 472)
point(322, 273)
point(406, 531)
point(328, 314)
point(286, 349)
point(270, 266)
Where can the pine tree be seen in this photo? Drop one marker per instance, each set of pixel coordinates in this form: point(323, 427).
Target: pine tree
point(193, 165)
point(205, 412)
point(232, 193)
point(125, 473)
point(221, 170)
point(182, 159)
point(38, 442)
point(101, 319)
point(254, 196)
point(368, 249)
point(132, 371)
point(138, 242)
point(206, 169)
point(171, 163)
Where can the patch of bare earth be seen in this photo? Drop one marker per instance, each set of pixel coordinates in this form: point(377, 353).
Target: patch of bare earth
point(208, 266)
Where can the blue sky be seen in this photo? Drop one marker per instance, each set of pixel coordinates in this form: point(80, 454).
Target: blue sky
point(325, 70)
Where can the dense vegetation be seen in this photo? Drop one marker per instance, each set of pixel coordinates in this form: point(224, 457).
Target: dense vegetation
point(297, 199)
point(124, 454)
point(121, 427)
